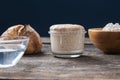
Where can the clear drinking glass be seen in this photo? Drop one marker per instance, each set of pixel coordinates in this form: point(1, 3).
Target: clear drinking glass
point(12, 49)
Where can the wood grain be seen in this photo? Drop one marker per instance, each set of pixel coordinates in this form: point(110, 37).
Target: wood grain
point(91, 65)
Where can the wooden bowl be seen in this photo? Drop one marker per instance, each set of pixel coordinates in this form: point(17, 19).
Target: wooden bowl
point(107, 41)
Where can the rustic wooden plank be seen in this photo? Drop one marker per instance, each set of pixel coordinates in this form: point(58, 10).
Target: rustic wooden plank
point(46, 40)
point(93, 64)
point(58, 75)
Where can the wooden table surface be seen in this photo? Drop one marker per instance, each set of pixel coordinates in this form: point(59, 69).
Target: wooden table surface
point(93, 64)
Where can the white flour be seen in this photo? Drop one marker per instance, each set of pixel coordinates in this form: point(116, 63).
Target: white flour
point(112, 27)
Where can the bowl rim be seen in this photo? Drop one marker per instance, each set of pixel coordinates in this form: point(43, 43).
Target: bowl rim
point(20, 38)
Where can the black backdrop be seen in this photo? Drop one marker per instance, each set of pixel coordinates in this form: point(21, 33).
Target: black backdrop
point(41, 14)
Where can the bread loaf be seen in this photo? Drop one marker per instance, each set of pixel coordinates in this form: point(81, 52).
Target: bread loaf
point(35, 43)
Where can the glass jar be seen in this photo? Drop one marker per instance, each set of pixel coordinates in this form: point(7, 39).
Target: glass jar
point(67, 40)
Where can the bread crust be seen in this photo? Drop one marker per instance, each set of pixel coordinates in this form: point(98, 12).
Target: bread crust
point(35, 42)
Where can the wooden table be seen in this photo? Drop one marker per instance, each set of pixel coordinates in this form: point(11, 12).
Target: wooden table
point(92, 65)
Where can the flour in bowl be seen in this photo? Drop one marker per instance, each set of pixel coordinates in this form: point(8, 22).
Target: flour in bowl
point(112, 27)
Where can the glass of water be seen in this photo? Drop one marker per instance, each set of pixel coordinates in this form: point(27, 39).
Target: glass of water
point(12, 49)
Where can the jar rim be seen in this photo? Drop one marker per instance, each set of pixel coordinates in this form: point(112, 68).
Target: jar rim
point(52, 31)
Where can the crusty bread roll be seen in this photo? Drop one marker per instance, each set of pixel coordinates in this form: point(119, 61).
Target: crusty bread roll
point(35, 43)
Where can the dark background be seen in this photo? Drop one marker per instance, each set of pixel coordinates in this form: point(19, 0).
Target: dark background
point(41, 14)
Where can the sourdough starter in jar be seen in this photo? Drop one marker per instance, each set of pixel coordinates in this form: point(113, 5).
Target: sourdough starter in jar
point(67, 40)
